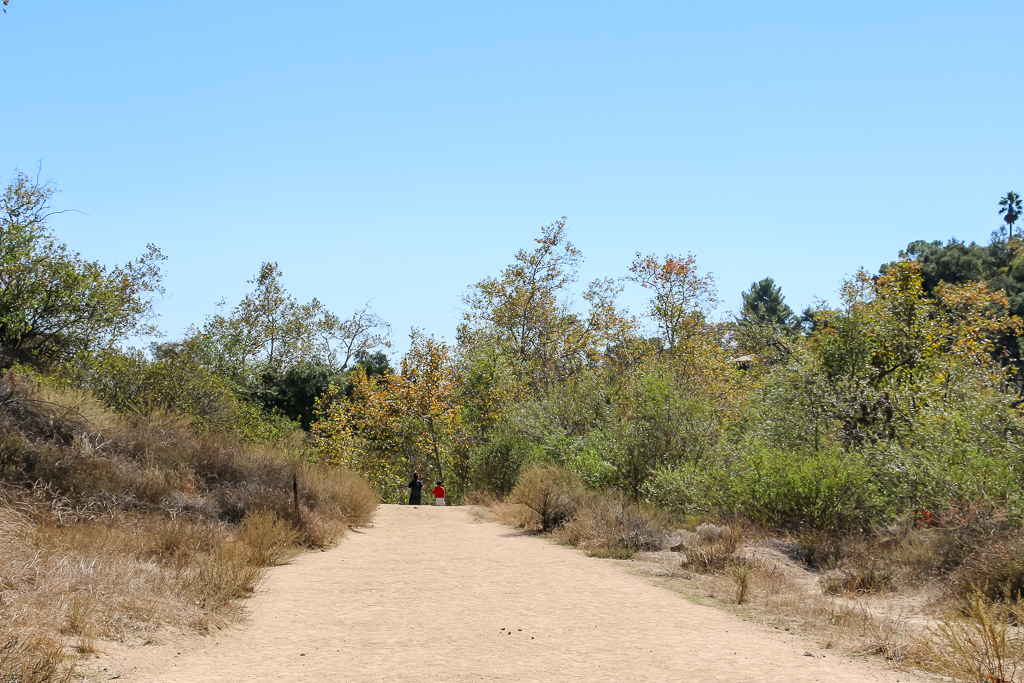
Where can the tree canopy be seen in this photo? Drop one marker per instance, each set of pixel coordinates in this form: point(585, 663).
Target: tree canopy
point(54, 303)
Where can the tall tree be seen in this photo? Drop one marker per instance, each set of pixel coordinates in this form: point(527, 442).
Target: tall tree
point(529, 312)
point(1010, 212)
point(763, 303)
point(269, 331)
point(681, 297)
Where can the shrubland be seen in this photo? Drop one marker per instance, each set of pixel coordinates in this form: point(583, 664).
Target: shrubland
point(876, 443)
point(880, 441)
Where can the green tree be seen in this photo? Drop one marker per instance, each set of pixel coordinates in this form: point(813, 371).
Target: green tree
point(681, 298)
point(269, 331)
point(763, 304)
point(527, 312)
point(54, 304)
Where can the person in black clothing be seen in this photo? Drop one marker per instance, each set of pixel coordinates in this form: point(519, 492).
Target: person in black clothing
point(416, 487)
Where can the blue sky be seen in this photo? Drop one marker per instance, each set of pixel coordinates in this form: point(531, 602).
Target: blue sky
point(400, 151)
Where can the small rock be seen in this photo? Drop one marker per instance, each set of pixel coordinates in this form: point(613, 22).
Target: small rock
point(808, 654)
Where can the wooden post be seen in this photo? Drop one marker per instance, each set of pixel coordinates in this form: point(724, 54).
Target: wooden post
point(295, 495)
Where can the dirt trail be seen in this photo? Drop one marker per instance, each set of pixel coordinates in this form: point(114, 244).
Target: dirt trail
point(431, 594)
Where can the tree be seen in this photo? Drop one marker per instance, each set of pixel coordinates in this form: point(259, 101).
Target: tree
point(528, 312)
point(270, 331)
point(396, 422)
point(1011, 204)
point(681, 298)
point(53, 303)
point(763, 304)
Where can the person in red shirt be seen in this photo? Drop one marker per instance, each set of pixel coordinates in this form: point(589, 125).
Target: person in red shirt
point(439, 494)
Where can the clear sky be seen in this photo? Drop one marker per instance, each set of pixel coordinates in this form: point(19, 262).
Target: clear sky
point(400, 151)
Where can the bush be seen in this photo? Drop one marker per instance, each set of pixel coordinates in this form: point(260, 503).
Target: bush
point(40, 661)
point(604, 522)
point(271, 540)
point(710, 548)
point(550, 492)
point(830, 489)
point(112, 525)
point(995, 573)
point(496, 466)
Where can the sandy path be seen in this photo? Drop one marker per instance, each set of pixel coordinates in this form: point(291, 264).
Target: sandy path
point(429, 593)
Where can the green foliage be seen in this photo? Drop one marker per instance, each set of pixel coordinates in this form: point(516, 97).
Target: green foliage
point(269, 331)
point(763, 303)
point(498, 463)
point(828, 489)
point(294, 393)
point(54, 304)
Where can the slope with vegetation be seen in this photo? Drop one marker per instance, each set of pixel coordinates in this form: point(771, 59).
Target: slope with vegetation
point(146, 490)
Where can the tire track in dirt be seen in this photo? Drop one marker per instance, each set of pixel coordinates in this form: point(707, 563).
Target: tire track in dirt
point(431, 593)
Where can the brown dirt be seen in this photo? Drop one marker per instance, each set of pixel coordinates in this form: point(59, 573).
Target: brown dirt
point(435, 593)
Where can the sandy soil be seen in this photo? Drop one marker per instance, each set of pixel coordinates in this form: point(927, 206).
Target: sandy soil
point(433, 594)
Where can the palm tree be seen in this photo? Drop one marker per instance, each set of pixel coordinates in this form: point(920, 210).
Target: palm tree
point(1012, 208)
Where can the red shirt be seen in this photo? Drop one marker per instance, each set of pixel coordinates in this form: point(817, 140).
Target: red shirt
point(438, 492)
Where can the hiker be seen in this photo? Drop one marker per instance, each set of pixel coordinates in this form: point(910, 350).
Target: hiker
point(416, 487)
point(439, 493)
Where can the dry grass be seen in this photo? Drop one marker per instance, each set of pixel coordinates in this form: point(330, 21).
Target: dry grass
point(606, 525)
point(710, 548)
point(980, 645)
point(31, 660)
point(271, 540)
point(115, 527)
point(550, 491)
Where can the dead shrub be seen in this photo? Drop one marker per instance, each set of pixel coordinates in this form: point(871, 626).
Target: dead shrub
point(515, 515)
point(480, 498)
point(552, 492)
point(741, 577)
point(38, 660)
point(271, 540)
point(995, 572)
point(339, 492)
point(110, 526)
point(710, 547)
point(224, 576)
point(863, 580)
point(816, 550)
point(606, 521)
point(977, 646)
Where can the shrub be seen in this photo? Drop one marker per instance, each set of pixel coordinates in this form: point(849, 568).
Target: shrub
point(496, 466)
point(995, 572)
point(606, 522)
point(31, 661)
point(271, 540)
point(830, 489)
point(550, 492)
point(711, 547)
point(742, 578)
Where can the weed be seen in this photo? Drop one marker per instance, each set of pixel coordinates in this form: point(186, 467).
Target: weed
point(741, 577)
point(865, 580)
point(614, 553)
point(976, 646)
point(32, 661)
point(606, 521)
